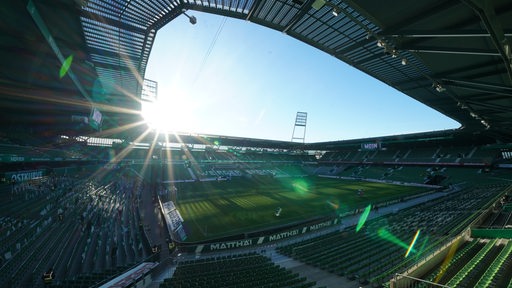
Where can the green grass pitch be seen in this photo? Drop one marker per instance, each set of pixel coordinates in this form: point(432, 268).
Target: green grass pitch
point(222, 208)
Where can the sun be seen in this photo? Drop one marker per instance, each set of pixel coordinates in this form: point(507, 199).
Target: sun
point(168, 116)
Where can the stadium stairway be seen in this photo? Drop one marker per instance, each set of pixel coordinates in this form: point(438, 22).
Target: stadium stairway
point(321, 277)
point(154, 223)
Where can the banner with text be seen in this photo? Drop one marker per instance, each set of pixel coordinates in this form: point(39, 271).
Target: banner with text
point(22, 176)
point(262, 240)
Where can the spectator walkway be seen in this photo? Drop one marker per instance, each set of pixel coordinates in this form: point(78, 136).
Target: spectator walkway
point(154, 223)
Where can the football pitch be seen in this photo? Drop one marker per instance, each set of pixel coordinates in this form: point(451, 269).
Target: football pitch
point(216, 209)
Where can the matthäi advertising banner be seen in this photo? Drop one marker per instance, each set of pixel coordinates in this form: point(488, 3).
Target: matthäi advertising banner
point(267, 239)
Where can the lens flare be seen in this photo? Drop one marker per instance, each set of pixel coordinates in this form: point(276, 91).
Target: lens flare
point(412, 243)
point(65, 66)
point(333, 205)
point(447, 260)
point(422, 249)
point(363, 217)
point(300, 186)
point(386, 235)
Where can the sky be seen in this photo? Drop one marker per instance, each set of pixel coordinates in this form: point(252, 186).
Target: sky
point(231, 77)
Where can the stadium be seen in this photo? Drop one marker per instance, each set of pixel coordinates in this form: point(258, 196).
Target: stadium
point(94, 197)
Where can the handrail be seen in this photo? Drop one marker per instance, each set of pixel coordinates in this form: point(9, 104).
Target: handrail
point(421, 280)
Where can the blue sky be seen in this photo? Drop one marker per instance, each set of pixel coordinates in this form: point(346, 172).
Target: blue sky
point(250, 81)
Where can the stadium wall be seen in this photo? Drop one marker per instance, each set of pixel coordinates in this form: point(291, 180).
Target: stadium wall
point(270, 236)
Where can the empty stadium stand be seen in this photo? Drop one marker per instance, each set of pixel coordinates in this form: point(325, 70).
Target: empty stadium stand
point(91, 222)
point(85, 201)
point(245, 270)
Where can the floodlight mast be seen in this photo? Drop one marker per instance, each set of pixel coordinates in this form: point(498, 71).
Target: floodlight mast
point(300, 121)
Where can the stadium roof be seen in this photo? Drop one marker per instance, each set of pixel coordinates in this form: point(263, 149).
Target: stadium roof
point(454, 56)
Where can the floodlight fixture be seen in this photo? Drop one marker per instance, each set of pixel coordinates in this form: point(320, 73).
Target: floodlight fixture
point(335, 11)
point(319, 4)
point(486, 124)
point(192, 19)
point(462, 105)
point(439, 88)
point(391, 51)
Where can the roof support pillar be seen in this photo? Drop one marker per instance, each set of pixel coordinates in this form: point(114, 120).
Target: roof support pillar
point(32, 10)
point(485, 11)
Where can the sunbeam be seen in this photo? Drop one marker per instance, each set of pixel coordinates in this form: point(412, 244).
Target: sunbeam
point(118, 129)
point(168, 158)
point(149, 155)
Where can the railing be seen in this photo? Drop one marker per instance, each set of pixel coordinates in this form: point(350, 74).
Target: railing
point(395, 278)
point(466, 233)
